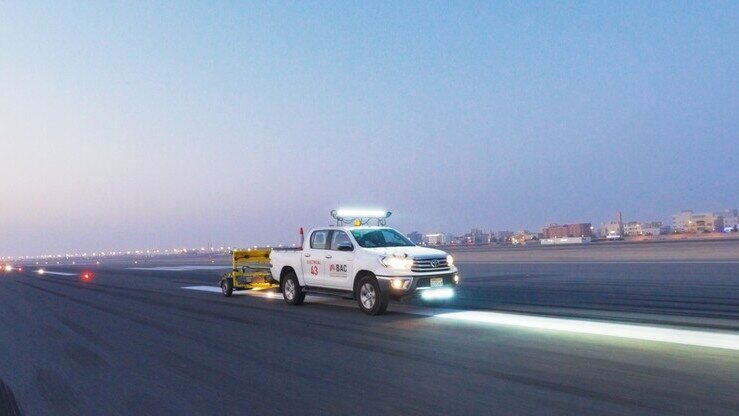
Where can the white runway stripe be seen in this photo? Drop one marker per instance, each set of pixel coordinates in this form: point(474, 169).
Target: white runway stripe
point(270, 294)
point(212, 289)
point(180, 268)
point(641, 332)
point(602, 262)
point(59, 273)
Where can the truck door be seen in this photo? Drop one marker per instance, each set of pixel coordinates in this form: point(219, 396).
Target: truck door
point(340, 261)
point(314, 258)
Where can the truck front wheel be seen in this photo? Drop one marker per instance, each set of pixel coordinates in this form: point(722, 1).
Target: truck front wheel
point(291, 290)
point(370, 298)
point(227, 287)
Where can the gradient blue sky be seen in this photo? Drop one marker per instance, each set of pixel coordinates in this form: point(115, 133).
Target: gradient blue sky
point(142, 124)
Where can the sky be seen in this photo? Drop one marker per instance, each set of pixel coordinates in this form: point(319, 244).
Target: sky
point(127, 125)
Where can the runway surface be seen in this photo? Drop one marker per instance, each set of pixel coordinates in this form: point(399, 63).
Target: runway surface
point(134, 341)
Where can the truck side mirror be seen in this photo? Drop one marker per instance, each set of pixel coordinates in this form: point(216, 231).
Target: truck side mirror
point(345, 247)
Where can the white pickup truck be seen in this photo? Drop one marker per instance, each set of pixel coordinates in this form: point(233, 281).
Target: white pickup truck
point(369, 264)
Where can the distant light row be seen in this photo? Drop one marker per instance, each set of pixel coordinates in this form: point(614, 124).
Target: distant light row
point(120, 253)
point(222, 249)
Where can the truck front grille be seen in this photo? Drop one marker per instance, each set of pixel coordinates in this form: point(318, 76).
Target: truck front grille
point(432, 264)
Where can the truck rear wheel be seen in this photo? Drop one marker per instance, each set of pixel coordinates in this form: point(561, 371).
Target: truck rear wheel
point(370, 298)
point(227, 287)
point(291, 290)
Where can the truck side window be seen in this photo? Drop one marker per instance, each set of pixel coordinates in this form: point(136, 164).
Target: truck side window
point(318, 240)
point(339, 237)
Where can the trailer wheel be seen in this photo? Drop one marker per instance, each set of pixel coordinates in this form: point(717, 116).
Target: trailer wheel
point(227, 287)
point(291, 290)
point(370, 298)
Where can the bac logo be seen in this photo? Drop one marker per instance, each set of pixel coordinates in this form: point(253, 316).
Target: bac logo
point(340, 268)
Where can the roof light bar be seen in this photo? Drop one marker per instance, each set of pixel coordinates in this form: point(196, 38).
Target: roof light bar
point(361, 213)
point(361, 216)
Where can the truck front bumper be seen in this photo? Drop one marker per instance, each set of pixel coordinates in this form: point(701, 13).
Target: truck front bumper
point(426, 285)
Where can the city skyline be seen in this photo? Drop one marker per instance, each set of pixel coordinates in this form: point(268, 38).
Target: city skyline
point(165, 125)
point(597, 228)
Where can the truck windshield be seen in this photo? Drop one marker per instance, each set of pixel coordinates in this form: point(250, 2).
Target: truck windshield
point(383, 237)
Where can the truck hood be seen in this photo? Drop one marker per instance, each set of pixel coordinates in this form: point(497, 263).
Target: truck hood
point(412, 252)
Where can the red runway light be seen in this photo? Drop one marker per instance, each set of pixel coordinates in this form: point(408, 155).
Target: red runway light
point(86, 276)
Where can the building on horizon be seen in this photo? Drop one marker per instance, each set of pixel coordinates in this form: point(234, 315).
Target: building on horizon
point(476, 237)
point(613, 229)
point(415, 237)
point(637, 228)
point(731, 220)
point(434, 239)
point(691, 222)
point(731, 224)
point(584, 229)
point(525, 237)
point(503, 236)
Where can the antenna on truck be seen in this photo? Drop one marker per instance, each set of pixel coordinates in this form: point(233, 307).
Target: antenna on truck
point(359, 217)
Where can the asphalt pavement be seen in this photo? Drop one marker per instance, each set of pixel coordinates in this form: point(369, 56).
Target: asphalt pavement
point(139, 342)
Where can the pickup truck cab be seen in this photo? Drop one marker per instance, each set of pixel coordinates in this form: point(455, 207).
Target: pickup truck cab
point(369, 264)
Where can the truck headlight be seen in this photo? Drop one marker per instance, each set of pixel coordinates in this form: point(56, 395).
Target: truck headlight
point(450, 261)
point(396, 263)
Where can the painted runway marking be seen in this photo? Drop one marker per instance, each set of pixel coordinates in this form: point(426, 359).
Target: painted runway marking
point(59, 273)
point(270, 294)
point(603, 262)
point(180, 268)
point(640, 332)
point(212, 289)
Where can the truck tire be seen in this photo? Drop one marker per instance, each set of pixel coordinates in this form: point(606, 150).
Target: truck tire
point(291, 290)
point(370, 298)
point(227, 287)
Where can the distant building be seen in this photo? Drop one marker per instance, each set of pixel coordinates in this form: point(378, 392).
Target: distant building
point(636, 228)
point(612, 228)
point(525, 237)
point(503, 235)
point(477, 236)
point(436, 239)
point(731, 224)
point(584, 229)
point(415, 237)
point(731, 220)
point(691, 222)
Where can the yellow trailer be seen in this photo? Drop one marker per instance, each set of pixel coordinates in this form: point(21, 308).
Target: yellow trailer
point(250, 270)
